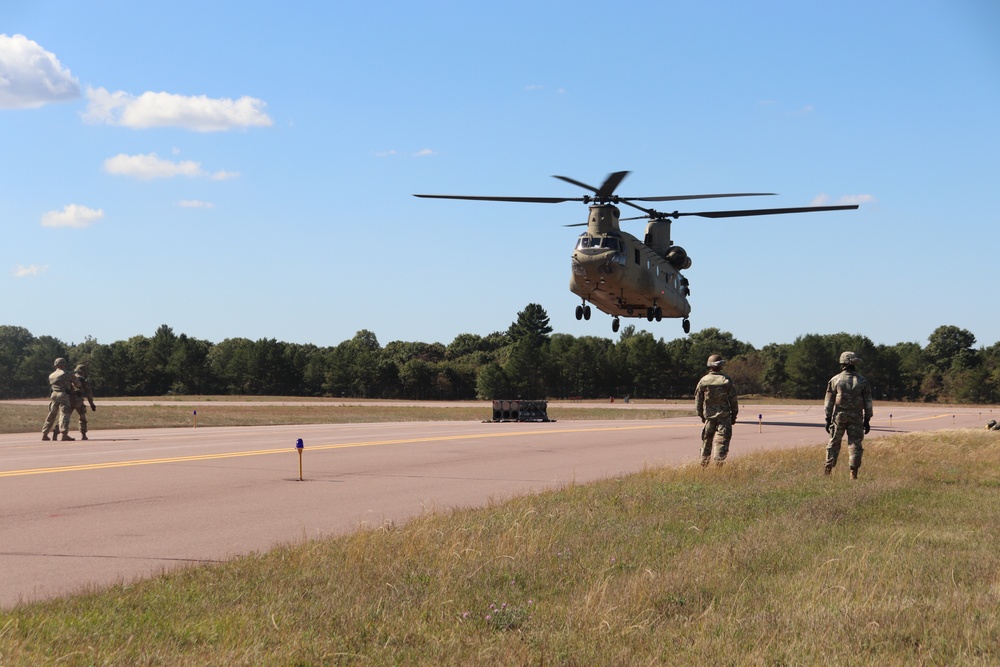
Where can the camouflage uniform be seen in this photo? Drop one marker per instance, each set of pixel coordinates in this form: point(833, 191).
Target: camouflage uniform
point(848, 408)
point(81, 391)
point(992, 425)
point(716, 404)
point(62, 384)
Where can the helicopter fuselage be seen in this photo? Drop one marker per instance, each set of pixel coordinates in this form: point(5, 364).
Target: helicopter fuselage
point(623, 276)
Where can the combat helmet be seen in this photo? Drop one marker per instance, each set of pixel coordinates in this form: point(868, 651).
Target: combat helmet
point(80, 368)
point(59, 362)
point(849, 359)
point(991, 423)
point(716, 361)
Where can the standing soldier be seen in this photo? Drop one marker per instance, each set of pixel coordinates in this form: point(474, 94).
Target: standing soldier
point(715, 401)
point(59, 401)
point(82, 391)
point(848, 409)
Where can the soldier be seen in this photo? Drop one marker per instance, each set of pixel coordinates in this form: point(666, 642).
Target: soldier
point(992, 425)
point(716, 404)
point(848, 408)
point(82, 391)
point(59, 401)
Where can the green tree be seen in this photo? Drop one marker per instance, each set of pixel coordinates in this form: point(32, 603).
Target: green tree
point(491, 383)
point(15, 343)
point(532, 323)
point(949, 347)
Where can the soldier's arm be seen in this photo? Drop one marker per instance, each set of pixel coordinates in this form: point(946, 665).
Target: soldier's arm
point(828, 402)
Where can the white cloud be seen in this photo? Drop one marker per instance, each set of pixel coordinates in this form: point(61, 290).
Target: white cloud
point(72, 216)
point(200, 113)
point(150, 166)
point(194, 203)
point(423, 152)
point(30, 76)
point(856, 199)
point(846, 200)
point(21, 271)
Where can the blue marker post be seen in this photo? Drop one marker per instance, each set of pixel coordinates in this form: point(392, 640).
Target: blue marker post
point(299, 447)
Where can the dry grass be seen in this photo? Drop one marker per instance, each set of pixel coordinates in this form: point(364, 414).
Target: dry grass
point(20, 418)
point(762, 562)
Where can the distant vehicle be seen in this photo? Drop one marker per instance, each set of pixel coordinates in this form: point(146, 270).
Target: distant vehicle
point(621, 275)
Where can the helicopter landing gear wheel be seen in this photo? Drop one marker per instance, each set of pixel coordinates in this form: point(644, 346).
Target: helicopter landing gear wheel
point(657, 313)
point(579, 312)
point(615, 323)
point(586, 312)
point(649, 314)
point(686, 325)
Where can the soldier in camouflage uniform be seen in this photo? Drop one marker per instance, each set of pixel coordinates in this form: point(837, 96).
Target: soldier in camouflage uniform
point(848, 408)
point(62, 384)
point(82, 391)
point(716, 404)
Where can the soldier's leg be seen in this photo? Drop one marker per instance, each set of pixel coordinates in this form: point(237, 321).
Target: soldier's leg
point(707, 434)
point(855, 448)
point(64, 411)
point(50, 419)
point(82, 411)
point(723, 435)
point(833, 448)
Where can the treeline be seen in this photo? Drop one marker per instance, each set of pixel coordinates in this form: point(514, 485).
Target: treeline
point(525, 361)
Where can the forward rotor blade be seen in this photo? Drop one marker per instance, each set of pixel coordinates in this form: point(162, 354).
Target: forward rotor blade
point(607, 189)
point(529, 200)
point(683, 197)
point(764, 211)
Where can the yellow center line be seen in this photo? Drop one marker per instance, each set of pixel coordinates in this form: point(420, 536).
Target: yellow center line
point(345, 445)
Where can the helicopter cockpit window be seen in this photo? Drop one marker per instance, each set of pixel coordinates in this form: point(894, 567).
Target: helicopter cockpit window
point(611, 242)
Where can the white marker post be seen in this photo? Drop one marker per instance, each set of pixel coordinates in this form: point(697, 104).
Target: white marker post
point(299, 447)
point(195, 419)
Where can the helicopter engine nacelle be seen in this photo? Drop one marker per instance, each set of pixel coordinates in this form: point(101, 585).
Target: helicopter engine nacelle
point(678, 258)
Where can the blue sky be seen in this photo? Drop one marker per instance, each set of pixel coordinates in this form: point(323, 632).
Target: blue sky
point(246, 169)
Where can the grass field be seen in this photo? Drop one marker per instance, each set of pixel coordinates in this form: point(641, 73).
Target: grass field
point(21, 418)
point(762, 562)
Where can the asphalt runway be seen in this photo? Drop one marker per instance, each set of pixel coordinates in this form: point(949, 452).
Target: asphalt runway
point(129, 504)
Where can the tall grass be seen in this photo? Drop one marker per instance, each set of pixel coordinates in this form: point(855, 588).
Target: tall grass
point(762, 562)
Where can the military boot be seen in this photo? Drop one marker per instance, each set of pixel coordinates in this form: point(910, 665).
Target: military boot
point(67, 437)
point(704, 461)
point(827, 469)
point(854, 473)
point(45, 436)
point(83, 436)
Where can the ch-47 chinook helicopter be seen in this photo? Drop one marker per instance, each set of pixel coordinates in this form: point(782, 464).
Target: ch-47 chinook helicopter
point(626, 277)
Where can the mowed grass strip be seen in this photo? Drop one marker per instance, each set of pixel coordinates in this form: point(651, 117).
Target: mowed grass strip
point(19, 418)
point(762, 562)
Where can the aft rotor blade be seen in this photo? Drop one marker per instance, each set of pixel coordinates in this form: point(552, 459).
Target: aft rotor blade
point(764, 211)
point(682, 197)
point(529, 200)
